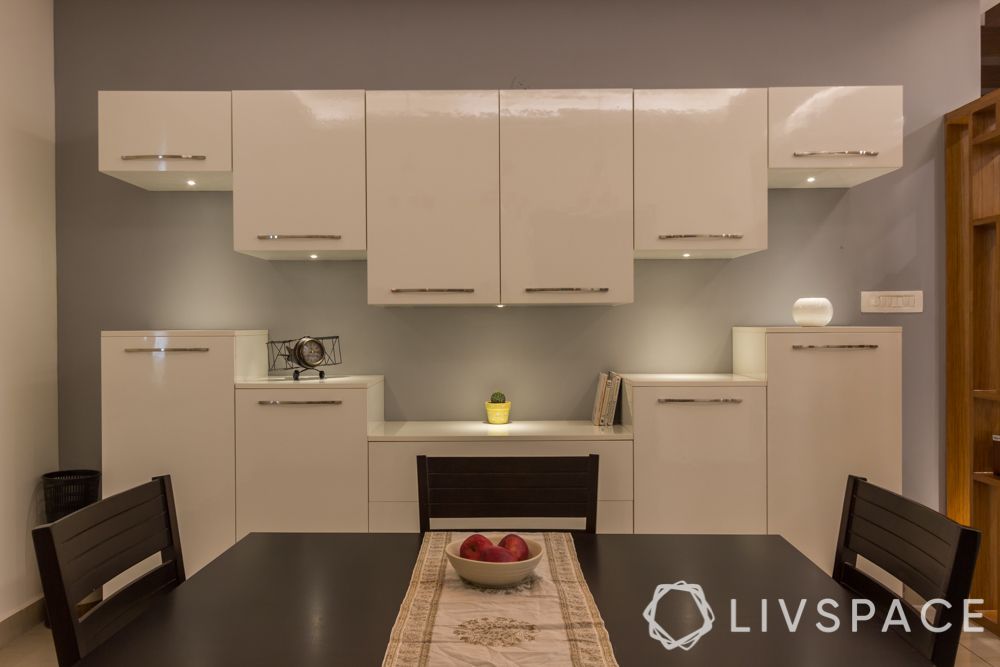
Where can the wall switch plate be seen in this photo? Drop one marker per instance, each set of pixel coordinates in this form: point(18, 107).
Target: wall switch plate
point(892, 302)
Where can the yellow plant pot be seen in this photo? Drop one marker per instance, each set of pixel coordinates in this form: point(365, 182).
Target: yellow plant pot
point(498, 413)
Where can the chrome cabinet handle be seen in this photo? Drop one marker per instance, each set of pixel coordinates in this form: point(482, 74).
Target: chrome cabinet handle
point(164, 156)
point(713, 237)
point(835, 347)
point(860, 153)
point(166, 349)
point(299, 402)
point(699, 400)
point(533, 290)
point(282, 237)
point(432, 290)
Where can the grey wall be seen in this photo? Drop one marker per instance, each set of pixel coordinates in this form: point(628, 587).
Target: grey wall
point(130, 259)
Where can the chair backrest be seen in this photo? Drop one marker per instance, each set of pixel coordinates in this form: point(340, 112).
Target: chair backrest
point(928, 552)
point(86, 549)
point(507, 486)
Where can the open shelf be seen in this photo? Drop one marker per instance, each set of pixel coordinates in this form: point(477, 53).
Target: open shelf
point(987, 478)
point(988, 220)
point(986, 138)
point(986, 394)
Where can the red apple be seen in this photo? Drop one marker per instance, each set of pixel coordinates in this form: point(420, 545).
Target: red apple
point(473, 546)
point(497, 555)
point(516, 545)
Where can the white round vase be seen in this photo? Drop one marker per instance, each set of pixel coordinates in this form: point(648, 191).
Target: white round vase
point(812, 312)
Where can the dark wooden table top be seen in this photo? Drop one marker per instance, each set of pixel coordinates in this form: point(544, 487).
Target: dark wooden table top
point(304, 600)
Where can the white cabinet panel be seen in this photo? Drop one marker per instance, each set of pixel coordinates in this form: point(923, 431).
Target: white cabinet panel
point(161, 140)
point(167, 409)
point(566, 196)
point(700, 463)
point(837, 135)
point(700, 172)
point(433, 197)
point(299, 173)
point(613, 516)
point(301, 460)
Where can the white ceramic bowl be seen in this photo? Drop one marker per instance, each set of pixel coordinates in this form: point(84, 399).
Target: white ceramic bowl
point(495, 575)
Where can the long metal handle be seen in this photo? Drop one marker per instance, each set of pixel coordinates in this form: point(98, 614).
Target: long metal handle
point(432, 290)
point(282, 237)
point(164, 156)
point(666, 237)
point(835, 347)
point(166, 349)
point(859, 153)
point(299, 402)
point(699, 400)
point(566, 289)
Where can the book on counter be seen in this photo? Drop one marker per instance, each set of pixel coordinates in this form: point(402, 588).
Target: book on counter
point(609, 386)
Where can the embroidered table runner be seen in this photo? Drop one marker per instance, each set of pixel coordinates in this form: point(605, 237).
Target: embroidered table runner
point(550, 619)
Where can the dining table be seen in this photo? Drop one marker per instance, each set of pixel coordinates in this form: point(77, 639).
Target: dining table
point(325, 599)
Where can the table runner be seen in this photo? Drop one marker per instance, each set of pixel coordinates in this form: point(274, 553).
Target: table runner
point(550, 619)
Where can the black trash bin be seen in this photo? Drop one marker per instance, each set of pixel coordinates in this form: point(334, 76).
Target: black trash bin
point(66, 491)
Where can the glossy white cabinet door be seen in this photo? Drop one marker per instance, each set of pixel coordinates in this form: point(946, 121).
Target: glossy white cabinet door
point(566, 196)
point(838, 135)
point(171, 413)
point(700, 172)
point(832, 411)
point(163, 140)
point(301, 460)
point(700, 464)
point(299, 173)
point(433, 197)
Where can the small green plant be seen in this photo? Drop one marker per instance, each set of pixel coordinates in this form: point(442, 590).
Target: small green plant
point(498, 397)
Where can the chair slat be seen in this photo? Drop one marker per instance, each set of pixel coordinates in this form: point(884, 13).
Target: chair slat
point(90, 516)
point(506, 464)
point(935, 546)
point(917, 562)
point(81, 583)
point(99, 534)
point(515, 480)
point(462, 510)
point(499, 495)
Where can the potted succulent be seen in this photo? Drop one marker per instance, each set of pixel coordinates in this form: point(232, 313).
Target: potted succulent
point(498, 409)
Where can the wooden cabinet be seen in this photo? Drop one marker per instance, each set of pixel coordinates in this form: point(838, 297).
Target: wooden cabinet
point(700, 456)
point(301, 460)
point(834, 404)
point(433, 197)
point(167, 409)
point(166, 140)
point(299, 173)
point(833, 136)
point(393, 475)
point(700, 172)
point(566, 196)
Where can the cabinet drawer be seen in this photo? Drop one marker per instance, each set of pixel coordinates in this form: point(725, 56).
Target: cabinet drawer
point(301, 460)
point(159, 140)
point(687, 142)
point(700, 459)
point(842, 135)
point(299, 173)
point(613, 516)
point(394, 464)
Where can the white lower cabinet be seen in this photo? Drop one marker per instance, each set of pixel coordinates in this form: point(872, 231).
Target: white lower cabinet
point(393, 473)
point(301, 460)
point(700, 458)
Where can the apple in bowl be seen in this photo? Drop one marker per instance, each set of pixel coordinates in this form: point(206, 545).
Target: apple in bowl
point(501, 561)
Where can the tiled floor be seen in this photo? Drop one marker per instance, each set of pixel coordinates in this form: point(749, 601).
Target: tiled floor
point(34, 649)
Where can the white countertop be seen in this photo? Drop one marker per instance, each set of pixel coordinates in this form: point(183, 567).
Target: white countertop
point(690, 380)
point(311, 382)
point(185, 333)
point(441, 431)
point(826, 329)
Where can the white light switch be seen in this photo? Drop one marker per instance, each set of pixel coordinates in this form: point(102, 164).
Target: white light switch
point(892, 302)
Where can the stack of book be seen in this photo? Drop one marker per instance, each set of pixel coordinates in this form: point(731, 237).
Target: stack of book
point(609, 387)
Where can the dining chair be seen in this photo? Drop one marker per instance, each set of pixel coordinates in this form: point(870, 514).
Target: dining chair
point(928, 552)
point(86, 549)
point(476, 487)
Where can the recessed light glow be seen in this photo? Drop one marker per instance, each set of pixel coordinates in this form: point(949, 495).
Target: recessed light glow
point(191, 182)
point(499, 305)
point(313, 256)
point(687, 254)
point(811, 179)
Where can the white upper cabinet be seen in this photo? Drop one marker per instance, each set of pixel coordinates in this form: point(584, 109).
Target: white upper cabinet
point(160, 140)
point(299, 173)
point(700, 172)
point(837, 136)
point(433, 197)
point(566, 196)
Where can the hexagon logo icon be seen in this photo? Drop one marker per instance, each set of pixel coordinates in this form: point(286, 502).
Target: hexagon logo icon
point(687, 642)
